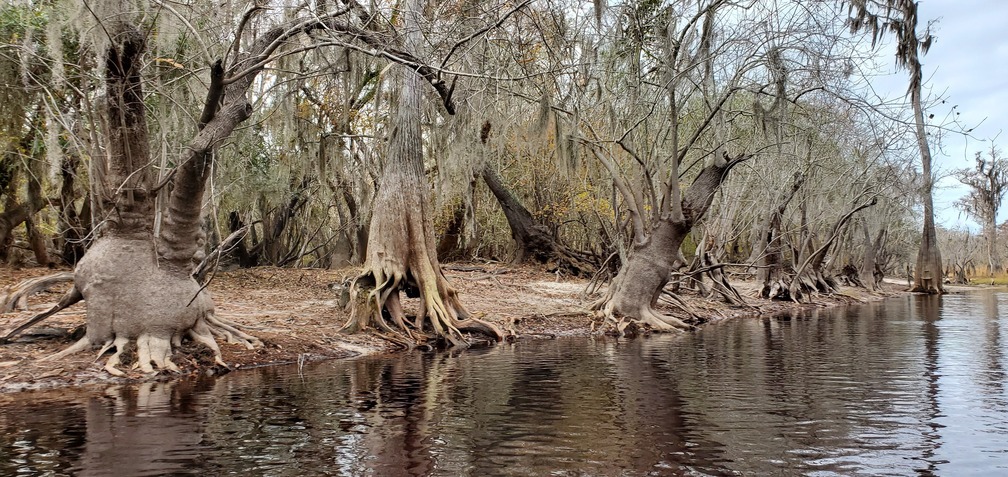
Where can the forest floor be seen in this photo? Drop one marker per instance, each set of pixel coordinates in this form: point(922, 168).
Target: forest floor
point(297, 315)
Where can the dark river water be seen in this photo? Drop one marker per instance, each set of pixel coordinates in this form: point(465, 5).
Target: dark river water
point(909, 386)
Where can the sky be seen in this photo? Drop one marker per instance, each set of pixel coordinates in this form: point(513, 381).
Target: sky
point(967, 66)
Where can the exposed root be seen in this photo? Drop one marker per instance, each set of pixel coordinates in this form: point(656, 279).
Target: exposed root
point(154, 351)
point(670, 298)
point(441, 314)
point(112, 363)
point(80, 345)
point(17, 296)
point(231, 331)
point(474, 325)
point(662, 322)
point(641, 317)
point(203, 334)
point(71, 297)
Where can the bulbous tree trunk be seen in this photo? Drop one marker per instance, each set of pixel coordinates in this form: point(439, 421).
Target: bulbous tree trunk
point(632, 295)
point(133, 293)
point(138, 287)
point(401, 251)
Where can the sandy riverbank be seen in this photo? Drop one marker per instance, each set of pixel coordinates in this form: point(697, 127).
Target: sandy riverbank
point(298, 318)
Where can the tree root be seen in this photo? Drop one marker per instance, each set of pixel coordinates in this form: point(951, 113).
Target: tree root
point(644, 316)
point(231, 331)
point(18, 296)
point(441, 314)
point(71, 297)
point(669, 298)
point(662, 322)
point(154, 351)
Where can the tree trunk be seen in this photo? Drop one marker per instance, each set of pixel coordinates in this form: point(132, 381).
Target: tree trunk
point(36, 239)
point(128, 179)
point(771, 261)
point(870, 274)
point(809, 275)
point(72, 231)
point(138, 288)
point(401, 253)
point(452, 245)
point(928, 276)
point(354, 223)
point(130, 294)
point(16, 213)
point(275, 248)
point(993, 258)
point(241, 251)
point(533, 240)
point(636, 288)
point(9, 220)
point(37, 242)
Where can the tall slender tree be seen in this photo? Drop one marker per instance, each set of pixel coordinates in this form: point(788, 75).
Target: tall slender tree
point(900, 18)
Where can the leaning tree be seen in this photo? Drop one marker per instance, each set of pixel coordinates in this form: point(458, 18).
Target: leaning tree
point(689, 65)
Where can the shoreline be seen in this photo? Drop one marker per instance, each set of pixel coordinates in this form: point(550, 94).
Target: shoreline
point(296, 313)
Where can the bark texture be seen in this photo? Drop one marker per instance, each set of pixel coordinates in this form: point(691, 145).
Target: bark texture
point(532, 239)
point(632, 295)
point(138, 287)
point(401, 254)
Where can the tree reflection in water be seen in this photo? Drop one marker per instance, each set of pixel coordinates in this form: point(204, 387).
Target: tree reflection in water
point(899, 387)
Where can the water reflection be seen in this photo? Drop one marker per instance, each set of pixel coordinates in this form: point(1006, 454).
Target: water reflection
point(911, 386)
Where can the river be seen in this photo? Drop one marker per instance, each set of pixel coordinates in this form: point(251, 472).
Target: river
point(907, 386)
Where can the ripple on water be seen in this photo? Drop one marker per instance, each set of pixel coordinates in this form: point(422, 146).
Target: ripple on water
point(902, 387)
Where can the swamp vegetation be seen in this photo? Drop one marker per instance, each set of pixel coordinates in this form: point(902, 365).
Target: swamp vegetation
point(649, 146)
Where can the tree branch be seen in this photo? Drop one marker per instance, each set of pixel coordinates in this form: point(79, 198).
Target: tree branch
point(481, 31)
point(633, 208)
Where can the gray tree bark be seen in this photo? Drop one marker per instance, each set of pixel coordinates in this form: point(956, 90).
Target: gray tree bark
point(634, 291)
point(401, 251)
